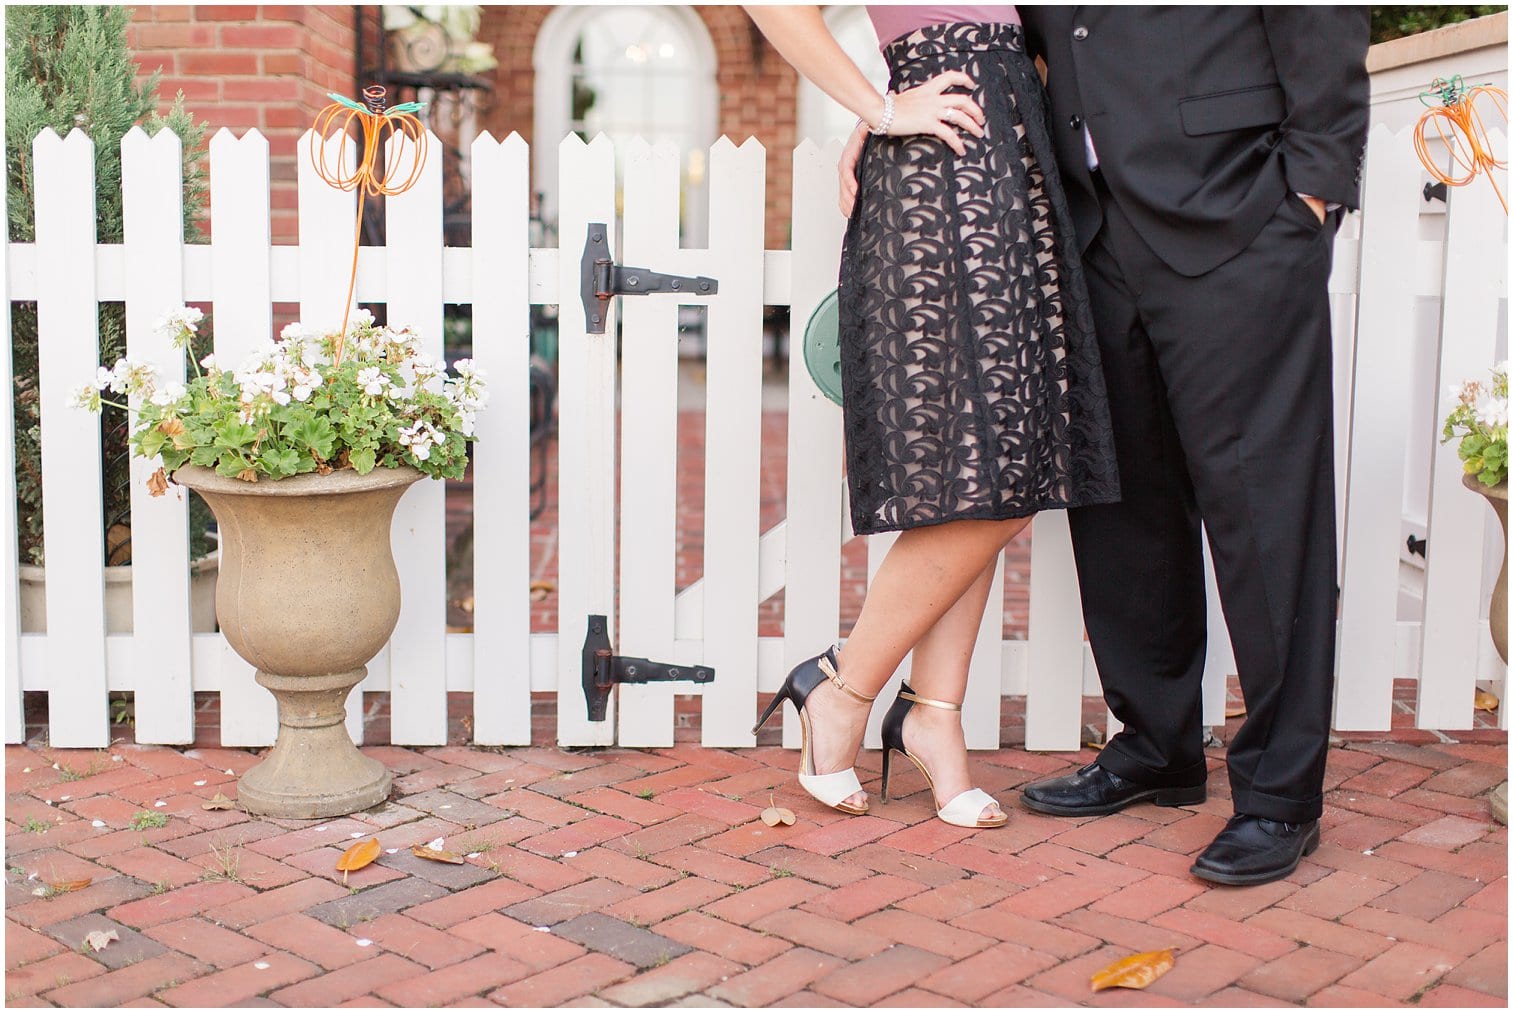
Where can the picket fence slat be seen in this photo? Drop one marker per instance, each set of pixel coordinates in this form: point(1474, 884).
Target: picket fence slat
point(242, 317)
point(72, 516)
point(1379, 428)
point(153, 219)
point(501, 457)
point(10, 574)
point(1219, 660)
point(585, 440)
point(1457, 519)
point(649, 441)
point(1053, 697)
point(733, 441)
point(417, 656)
point(812, 535)
point(878, 547)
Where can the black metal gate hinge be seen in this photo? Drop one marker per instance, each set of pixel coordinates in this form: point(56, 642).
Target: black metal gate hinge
point(603, 669)
point(602, 279)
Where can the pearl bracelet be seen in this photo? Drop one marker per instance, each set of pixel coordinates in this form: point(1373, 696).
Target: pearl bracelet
point(886, 120)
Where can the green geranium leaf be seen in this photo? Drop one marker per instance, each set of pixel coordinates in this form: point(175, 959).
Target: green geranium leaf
point(204, 455)
point(362, 459)
point(280, 462)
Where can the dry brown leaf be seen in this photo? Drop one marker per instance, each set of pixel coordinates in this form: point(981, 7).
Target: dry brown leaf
point(541, 588)
point(1234, 712)
point(1092, 745)
point(1135, 972)
point(775, 814)
point(219, 802)
point(1486, 701)
point(157, 483)
point(98, 940)
point(247, 474)
point(421, 851)
point(357, 856)
point(70, 886)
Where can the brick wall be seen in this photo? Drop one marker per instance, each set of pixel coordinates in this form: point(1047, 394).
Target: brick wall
point(251, 66)
point(758, 92)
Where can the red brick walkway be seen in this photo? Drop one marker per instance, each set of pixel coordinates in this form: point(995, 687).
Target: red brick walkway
point(628, 877)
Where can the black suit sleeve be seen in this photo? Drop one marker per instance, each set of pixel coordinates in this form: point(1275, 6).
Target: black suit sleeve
point(1320, 56)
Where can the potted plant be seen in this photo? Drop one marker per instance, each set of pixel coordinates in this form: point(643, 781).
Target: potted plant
point(303, 451)
point(68, 67)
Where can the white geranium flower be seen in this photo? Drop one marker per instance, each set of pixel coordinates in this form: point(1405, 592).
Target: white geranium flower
point(86, 397)
point(168, 395)
point(208, 362)
point(1493, 411)
point(372, 380)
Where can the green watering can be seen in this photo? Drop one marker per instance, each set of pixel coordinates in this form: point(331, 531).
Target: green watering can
point(822, 353)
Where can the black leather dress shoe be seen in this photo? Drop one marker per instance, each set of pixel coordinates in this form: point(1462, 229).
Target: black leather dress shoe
point(1251, 850)
point(1094, 791)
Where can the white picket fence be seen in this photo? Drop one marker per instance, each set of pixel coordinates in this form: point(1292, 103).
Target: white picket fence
point(1381, 268)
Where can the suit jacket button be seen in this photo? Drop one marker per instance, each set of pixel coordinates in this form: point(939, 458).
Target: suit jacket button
point(1079, 33)
point(1075, 122)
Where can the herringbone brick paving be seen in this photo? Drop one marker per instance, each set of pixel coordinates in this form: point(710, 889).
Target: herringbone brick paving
point(619, 877)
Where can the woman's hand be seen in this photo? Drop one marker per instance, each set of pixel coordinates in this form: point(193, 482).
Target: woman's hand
point(921, 110)
point(928, 109)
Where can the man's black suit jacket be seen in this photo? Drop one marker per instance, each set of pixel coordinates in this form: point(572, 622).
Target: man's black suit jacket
point(1204, 117)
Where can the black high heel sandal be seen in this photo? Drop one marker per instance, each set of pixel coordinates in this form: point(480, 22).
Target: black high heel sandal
point(829, 789)
point(965, 810)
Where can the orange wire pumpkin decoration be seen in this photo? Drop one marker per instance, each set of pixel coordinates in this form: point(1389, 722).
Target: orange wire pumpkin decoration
point(372, 175)
point(1458, 124)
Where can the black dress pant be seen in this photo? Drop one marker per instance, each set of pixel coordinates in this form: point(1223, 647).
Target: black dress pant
point(1222, 405)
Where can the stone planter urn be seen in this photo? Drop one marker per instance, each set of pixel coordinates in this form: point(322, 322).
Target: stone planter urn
point(308, 594)
point(1497, 612)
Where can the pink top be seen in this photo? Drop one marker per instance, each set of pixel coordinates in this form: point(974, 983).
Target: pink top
point(895, 21)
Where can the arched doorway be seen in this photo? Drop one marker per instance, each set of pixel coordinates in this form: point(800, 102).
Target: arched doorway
point(627, 72)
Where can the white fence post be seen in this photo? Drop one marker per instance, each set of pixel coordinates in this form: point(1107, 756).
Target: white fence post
point(10, 592)
point(586, 439)
point(1453, 633)
point(733, 445)
point(649, 441)
point(417, 649)
point(812, 564)
point(327, 221)
point(1378, 427)
point(242, 291)
point(1053, 687)
point(153, 217)
point(68, 327)
point(501, 457)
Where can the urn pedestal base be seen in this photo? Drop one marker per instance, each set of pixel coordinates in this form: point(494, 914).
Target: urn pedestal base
point(314, 770)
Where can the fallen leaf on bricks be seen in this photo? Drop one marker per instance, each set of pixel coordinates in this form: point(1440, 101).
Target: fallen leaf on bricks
point(421, 851)
point(219, 802)
point(773, 815)
point(1135, 972)
point(1486, 701)
point(356, 857)
point(70, 886)
point(540, 589)
point(98, 940)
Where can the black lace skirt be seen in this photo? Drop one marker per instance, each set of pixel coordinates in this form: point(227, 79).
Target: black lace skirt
point(969, 368)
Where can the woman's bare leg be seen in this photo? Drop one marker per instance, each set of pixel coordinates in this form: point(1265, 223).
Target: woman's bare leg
point(924, 575)
point(939, 672)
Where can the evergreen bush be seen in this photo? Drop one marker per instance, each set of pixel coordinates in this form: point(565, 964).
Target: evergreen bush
point(67, 67)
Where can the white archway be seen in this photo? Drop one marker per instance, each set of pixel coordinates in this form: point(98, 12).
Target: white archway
point(651, 72)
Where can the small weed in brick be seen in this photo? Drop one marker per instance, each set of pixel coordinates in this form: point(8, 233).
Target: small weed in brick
point(780, 872)
point(228, 860)
point(35, 825)
point(145, 820)
point(646, 793)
